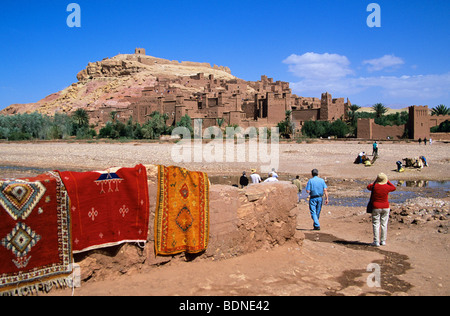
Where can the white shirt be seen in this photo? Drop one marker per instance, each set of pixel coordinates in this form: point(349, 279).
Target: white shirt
point(274, 174)
point(271, 179)
point(255, 178)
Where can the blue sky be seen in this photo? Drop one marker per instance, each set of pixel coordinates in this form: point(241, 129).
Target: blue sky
point(317, 46)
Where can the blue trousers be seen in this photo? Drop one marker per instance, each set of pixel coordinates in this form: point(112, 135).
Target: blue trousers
point(315, 206)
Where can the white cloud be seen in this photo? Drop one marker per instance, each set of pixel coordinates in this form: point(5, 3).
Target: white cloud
point(332, 73)
point(420, 86)
point(387, 61)
point(318, 66)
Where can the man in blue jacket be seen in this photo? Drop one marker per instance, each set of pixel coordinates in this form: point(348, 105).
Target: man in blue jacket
point(316, 188)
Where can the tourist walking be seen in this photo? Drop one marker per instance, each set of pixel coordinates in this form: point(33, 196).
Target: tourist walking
point(299, 186)
point(375, 149)
point(316, 188)
point(255, 177)
point(380, 207)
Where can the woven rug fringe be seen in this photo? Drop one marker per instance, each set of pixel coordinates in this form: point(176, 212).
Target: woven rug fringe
point(32, 289)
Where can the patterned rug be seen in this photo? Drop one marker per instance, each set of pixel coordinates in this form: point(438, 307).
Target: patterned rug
point(182, 211)
point(35, 241)
point(108, 207)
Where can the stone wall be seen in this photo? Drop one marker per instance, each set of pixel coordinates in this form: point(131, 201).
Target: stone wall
point(241, 221)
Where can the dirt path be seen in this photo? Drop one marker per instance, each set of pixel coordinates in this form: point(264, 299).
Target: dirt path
point(333, 261)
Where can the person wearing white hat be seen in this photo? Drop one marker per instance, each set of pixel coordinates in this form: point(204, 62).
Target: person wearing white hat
point(380, 204)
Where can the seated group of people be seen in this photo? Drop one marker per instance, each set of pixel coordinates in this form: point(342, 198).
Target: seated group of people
point(412, 163)
point(364, 159)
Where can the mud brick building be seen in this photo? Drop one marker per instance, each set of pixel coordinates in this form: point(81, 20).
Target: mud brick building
point(261, 103)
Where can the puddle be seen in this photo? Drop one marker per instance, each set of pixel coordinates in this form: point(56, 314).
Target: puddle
point(392, 266)
point(405, 191)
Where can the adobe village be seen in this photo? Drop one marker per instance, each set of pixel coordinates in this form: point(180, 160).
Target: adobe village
point(261, 237)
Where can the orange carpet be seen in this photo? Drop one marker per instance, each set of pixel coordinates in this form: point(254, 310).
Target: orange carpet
point(182, 211)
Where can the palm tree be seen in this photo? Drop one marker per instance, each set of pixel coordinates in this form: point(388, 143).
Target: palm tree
point(81, 118)
point(353, 108)
point(440, 110)
point(379, 109)
point(352, 111)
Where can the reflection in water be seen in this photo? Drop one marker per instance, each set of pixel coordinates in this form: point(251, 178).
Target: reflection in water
point(421, 184)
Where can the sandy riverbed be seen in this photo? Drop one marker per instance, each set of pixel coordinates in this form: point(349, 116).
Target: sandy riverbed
point(334, 159)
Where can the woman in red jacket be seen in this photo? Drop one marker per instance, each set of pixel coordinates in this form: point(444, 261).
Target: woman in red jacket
point(380, 202)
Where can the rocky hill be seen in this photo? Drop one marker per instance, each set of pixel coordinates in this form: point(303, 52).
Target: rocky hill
point(114, 81)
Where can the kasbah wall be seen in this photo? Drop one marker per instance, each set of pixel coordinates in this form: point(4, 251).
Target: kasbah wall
point(419, 124)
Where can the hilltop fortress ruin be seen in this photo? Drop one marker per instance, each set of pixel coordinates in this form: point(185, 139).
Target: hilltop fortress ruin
point(136, 85)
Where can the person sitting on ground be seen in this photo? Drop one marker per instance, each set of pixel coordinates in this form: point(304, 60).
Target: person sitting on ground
point(418, 163)
point(424, 160)
point(359, 159)
point(399, 166)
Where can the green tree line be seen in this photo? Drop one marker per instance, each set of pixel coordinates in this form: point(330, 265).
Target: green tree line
point(43, 127)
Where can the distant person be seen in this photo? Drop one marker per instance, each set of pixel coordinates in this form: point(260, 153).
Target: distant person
point(425, 141)
point(361, 156)
point(299, 186)
point(424, 160)
point(316, 188)
point(274, 173)
point(243, 180)
point(375, 149)
point(420, 141)
point(255, 177)
point(380, 203)
point(431, 142)
point(399, 166)
point(271, 178)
